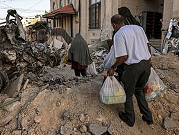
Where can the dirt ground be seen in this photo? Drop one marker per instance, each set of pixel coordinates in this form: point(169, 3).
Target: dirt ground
point(74, 107)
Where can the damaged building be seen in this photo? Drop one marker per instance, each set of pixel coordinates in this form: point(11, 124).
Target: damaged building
point(92, 18)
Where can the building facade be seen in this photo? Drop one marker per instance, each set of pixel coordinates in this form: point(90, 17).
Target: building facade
point(91, 18)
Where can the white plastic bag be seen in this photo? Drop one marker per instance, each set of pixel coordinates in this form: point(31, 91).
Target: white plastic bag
point(110, 59)
point(91, 69)
point(154, 87)
point(112, 92)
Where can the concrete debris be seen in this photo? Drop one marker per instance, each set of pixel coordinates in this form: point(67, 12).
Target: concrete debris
point(99, 53)
point(12, 106)
point(52, 77)
point(66, 130)
point(14, 87)
point(4, 80)
point(74, 103)
point(66, 115)
point(97, 129)
point(37, 119)
point(10, 112)
point(83, 129)
point(5, 104)
point(25, 84)
point(18, 56)
point(82, 117)
point(26, 104)
point(169, 123)
point(171, 43)
point(73, 106)
point(97, 45)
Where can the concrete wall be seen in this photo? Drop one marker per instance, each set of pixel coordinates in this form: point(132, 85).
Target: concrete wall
point(167, 15)
point(175, 8)
point(108, 8)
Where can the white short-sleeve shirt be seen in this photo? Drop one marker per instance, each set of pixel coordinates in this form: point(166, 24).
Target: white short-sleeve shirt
point(131, 40)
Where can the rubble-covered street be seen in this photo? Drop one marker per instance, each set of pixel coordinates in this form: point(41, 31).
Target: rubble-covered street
point(72, 106)
point(40, 95)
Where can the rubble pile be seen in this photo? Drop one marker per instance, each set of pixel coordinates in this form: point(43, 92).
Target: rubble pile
point(71, 105)
point(171, 41)
point(164, 64)
point(17, 56)
point(26, 57)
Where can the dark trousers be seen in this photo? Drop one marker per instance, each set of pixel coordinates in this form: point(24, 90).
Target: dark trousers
point(134, 78)
point(80, 71)
point(120, 70)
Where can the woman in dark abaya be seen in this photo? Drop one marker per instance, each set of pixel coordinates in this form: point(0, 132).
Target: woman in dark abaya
point(79, 55)
point(126, 13)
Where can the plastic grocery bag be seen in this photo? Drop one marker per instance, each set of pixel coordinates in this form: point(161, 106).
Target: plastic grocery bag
point(91, 69)
point(112, 92)
point(154, 87)
point(110, 59)
point(65, 59)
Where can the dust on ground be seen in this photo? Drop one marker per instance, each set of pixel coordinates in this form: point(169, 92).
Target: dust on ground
point(74, 107)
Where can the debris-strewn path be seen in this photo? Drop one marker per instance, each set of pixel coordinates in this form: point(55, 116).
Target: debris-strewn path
point(72, 106)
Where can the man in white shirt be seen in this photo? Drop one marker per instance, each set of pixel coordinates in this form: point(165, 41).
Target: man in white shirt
point(132, 48)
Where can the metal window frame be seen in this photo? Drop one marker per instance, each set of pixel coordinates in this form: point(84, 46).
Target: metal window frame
point(94, 23)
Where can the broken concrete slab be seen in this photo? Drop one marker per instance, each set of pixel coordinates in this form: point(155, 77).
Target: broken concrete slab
point(169, 123)
point(97, 129)
point(14, 87)
point(66, 130)
point(10, 104)
point(13, 110)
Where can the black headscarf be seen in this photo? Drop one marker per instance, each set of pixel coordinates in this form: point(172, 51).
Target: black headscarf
point(128, 18)
point(79, 51)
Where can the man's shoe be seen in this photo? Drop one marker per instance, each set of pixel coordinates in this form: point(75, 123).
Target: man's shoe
point(147, 121)
point(125, 119)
